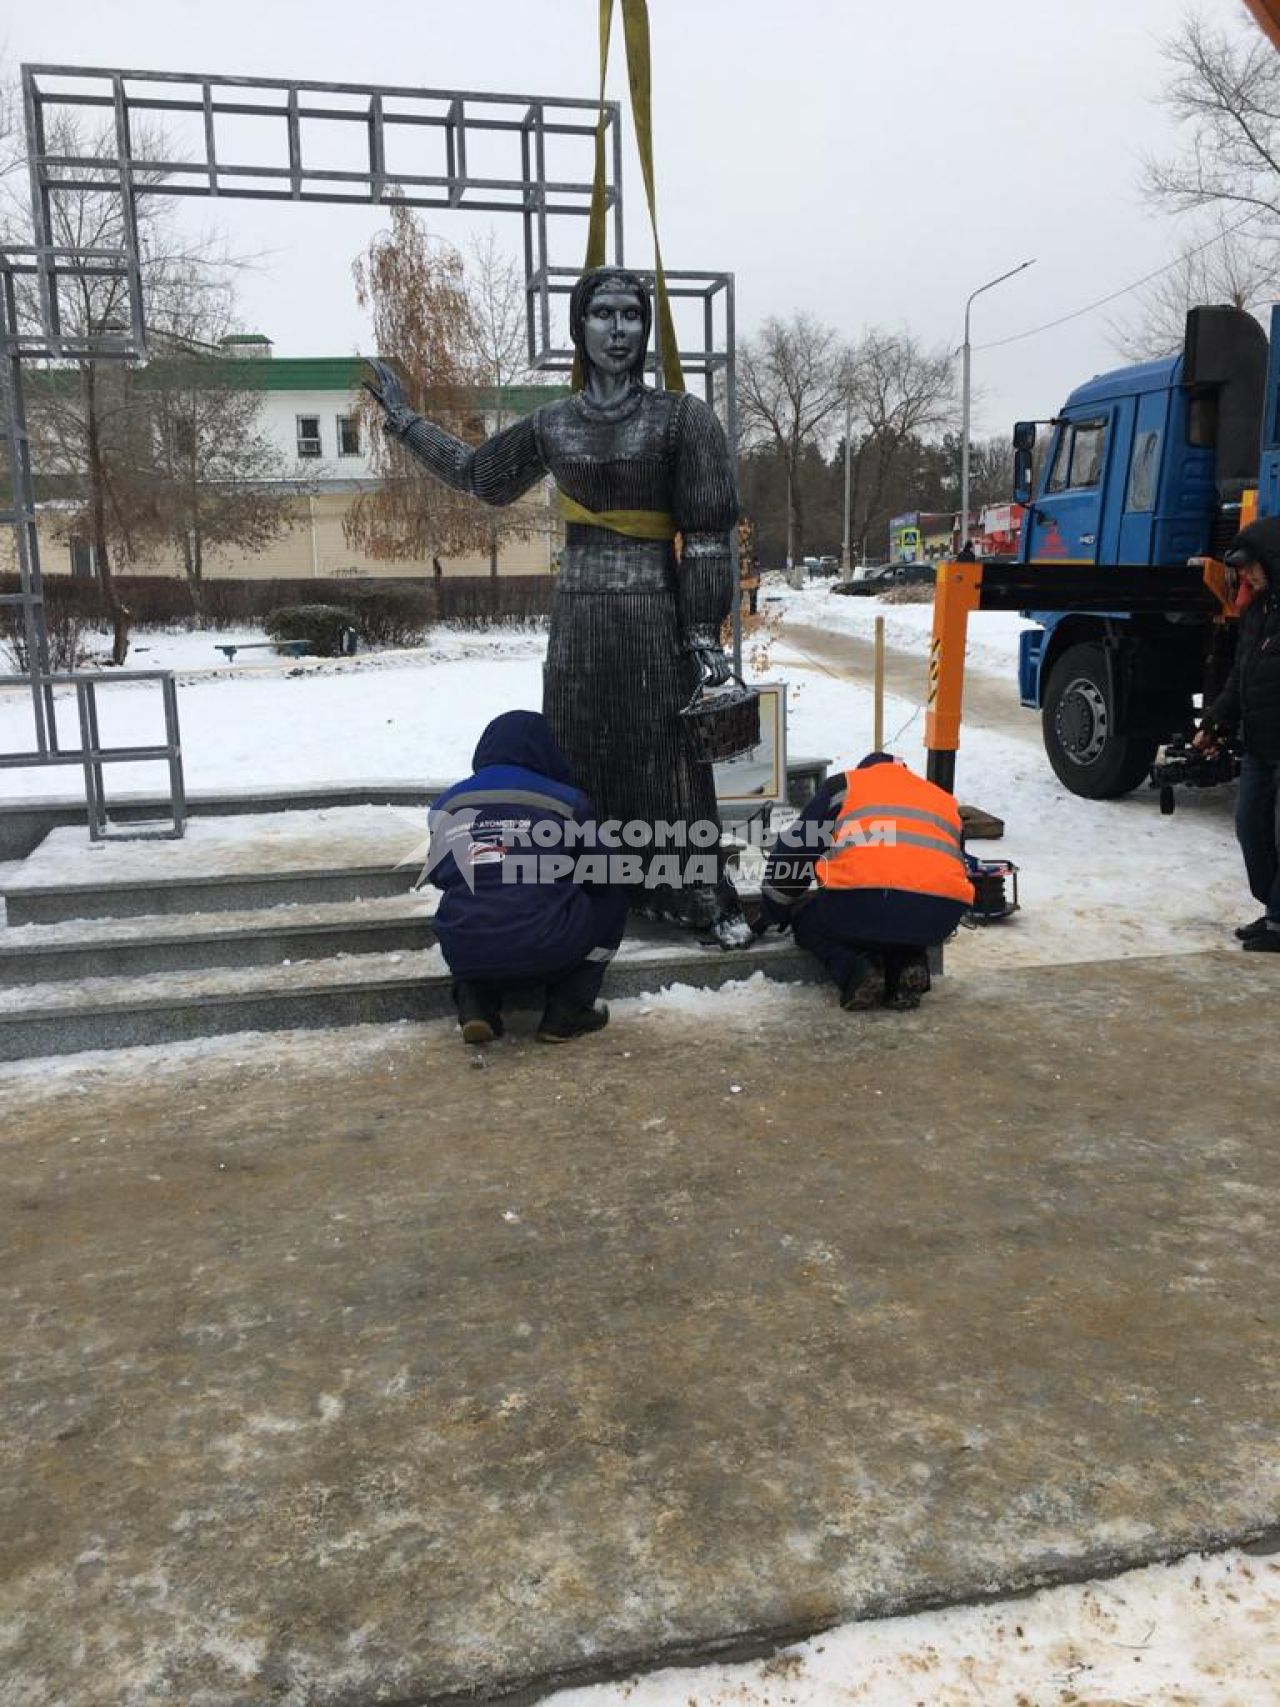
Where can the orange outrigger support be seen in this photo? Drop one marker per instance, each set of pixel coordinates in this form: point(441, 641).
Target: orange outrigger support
point(1201, 588)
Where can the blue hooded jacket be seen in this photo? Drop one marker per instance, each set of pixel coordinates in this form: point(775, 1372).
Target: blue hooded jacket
point(491, 929)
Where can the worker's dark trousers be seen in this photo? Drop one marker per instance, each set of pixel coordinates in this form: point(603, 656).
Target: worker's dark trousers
point(1258, 829)
point(838, 926)
point(577, 983)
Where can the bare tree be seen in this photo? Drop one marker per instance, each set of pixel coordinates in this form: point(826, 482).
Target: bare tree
point(215, 478)
point(991, 470)
point(793, 382)
point(414, 288)
point(95, 430)
point(1227, 267)
point(901, 392)
point(497, 339)
point(12, 145)
point(1225, 93)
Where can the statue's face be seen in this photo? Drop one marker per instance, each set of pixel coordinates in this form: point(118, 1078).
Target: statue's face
point(613, 330)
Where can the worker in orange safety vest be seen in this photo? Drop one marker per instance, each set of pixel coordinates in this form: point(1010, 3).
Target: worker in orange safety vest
point(885, 850)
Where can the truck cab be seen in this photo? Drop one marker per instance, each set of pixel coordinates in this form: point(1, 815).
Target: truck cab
point(1148, 465)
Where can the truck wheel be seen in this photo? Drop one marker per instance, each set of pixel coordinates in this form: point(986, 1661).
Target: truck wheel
point(1078, 719)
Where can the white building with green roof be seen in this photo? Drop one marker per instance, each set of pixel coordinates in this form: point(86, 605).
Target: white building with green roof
point(310, 413)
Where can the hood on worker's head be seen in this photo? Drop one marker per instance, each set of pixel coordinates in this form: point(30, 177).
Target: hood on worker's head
point(877, 759)
point(523, 739)
point(1258, 543)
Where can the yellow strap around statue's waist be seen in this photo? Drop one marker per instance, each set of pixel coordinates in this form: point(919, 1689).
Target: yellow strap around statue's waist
point(636, 524)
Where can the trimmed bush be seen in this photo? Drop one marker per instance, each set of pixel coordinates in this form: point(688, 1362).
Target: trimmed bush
point(388, 611)
point(390, 615)
point(320, 626)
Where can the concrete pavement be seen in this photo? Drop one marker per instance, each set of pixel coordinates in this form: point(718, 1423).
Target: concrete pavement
point(339, 1370)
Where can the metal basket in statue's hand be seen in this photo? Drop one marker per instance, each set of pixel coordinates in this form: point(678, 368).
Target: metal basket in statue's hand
point(721, 723)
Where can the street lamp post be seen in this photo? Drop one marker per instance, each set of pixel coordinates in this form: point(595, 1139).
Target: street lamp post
point(848, 434)
point(964, 387)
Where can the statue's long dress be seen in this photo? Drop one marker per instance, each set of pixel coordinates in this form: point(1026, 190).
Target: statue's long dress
point(618, 671)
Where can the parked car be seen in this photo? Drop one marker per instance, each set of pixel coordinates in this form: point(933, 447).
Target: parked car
point(828, 566)
point(916, 574)
point(869, 581)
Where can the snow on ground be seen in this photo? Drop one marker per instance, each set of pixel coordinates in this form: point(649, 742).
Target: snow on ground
point(197, 652)
point(992, 640)
point(410, 716)
point(1097, 879)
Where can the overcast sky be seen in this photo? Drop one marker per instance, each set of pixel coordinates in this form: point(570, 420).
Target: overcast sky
point(869, 160)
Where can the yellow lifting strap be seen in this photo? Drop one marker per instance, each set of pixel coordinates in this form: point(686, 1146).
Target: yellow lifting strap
point(635, 30)
point(636, 524)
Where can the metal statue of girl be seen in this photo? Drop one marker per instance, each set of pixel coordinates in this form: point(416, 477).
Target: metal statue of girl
point(634, 629)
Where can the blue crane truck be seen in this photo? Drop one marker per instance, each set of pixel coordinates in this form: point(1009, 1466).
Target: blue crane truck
point(1147, 469)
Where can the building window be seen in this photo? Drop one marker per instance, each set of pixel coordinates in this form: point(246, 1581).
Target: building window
point(348, 435)
point(308, 435)
point(81, 556)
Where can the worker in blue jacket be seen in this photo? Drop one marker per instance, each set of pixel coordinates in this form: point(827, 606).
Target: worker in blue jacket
point(509, 820)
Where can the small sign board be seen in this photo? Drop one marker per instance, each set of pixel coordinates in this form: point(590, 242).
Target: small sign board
point(759, 778)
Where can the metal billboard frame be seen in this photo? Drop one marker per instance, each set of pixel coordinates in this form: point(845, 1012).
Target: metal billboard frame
point(387, 120)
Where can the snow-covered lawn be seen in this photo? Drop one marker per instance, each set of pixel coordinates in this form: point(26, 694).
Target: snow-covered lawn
point(1096, 879)
point(262, 721)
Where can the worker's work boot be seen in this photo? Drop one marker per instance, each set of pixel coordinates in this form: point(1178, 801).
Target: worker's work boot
point(479, 1012)
point(864, 987)
point(1266, 941)
point(1255, 928)
point(563, 1021)
point(913, 980)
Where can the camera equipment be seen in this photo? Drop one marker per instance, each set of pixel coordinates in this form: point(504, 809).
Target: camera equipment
point(1180, 765)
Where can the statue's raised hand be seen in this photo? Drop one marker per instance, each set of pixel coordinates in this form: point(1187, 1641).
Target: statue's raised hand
point(383, 384)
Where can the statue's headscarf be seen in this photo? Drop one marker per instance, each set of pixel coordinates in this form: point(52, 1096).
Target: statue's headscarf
point(608, 278)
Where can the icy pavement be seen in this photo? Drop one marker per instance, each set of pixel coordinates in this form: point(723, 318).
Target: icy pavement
point(740, 1321)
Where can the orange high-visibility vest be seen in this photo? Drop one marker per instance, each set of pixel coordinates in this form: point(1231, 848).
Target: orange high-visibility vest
point(894, 830)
